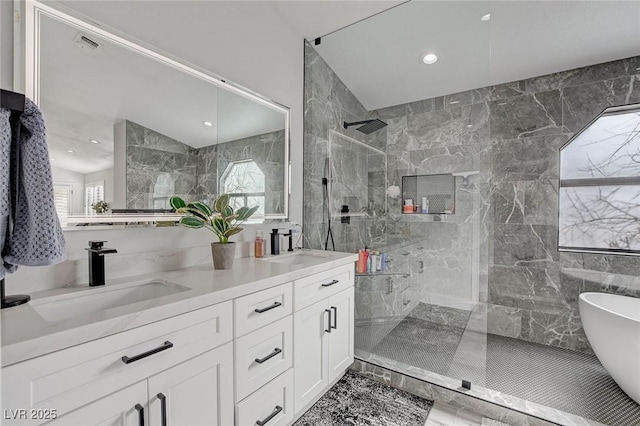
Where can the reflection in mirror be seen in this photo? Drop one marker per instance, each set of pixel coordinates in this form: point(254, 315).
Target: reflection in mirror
point(600, 184)
point(132, 128)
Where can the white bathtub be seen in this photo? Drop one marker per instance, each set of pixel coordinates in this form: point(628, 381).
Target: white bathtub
point(612, 325)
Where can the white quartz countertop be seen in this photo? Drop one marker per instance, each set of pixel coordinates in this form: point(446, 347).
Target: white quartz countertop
point(26, 334)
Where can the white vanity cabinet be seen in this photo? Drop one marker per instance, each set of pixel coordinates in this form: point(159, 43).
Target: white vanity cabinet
point(168, 354)
point(324, 333)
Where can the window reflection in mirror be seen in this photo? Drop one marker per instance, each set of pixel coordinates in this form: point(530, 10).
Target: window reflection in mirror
point(600, 184)
point(245, 183)
point(132, 128)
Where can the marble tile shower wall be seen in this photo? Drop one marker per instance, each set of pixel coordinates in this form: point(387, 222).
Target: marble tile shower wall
point(511, 133)
point(328, 103)
point(504, 230)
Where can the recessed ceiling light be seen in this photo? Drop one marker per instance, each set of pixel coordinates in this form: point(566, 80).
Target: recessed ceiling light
point(486, 17)
point(207, 123)
point(94, 141)
point(70, 151)
point(430, 58)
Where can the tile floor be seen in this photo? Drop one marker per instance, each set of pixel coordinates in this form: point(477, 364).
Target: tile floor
point(566, 380)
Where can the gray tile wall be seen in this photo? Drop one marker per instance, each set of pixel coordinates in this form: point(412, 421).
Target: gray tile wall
point(150, 153)
point(196, 172)
point(502, 238)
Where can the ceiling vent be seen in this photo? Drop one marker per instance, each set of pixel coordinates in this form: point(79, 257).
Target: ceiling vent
point(85, 43)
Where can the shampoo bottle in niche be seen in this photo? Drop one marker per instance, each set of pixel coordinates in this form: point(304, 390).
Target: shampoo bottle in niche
point(258, 245)
point(425, 205)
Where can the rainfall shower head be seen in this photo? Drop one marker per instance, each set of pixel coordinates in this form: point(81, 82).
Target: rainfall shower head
point(367, 126)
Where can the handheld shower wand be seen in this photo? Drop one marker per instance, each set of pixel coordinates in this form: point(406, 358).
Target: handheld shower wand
point(326, 183)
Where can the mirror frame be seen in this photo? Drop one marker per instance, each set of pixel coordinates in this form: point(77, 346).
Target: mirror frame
point(27, 75)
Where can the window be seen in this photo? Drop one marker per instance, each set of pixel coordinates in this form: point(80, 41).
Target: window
point(245, 183)
point(93, 192)
point(62, 198)
point(600, 185)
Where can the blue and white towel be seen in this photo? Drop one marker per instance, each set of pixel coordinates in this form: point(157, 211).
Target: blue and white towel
point(36, 238)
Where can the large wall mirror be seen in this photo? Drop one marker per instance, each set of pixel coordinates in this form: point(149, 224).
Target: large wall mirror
point(131, 127)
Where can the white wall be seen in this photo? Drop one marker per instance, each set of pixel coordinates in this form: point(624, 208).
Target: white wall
point(76, 180)
point(107, 177)
point(245, 42)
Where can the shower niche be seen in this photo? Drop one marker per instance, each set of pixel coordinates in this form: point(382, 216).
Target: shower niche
point(428, 194)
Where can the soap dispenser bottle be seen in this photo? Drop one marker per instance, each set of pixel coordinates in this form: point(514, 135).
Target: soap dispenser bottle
point(258, 245)
point(275, 242)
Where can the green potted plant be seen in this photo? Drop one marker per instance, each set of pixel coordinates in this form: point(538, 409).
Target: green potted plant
point(100, 207)
point(220, 219)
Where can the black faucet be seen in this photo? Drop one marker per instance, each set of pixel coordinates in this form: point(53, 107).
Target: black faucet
point(96, 262)
point(290, 235)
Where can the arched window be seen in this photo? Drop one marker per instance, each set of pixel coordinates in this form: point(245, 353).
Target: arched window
point(600, 185)
point(245, 182)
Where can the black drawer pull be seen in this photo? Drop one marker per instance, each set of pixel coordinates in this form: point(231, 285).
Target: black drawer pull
point(272, 415)
point(328, 329)
point(166, 345)
point(330, 284)
point(140, 414)
point(335, 318)
point(163, 408)
point(268, 308)
point(275, 352)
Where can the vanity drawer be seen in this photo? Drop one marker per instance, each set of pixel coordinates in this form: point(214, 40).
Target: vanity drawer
point(264, 307)
point(262, 355)
point(311, 289)
point(274, 398)
point(72, 377)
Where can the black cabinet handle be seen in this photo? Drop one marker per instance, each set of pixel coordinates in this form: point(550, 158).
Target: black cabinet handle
point(268, 308)
point(163, 408)
point(270, 416)
point(328, 329)
point(166, 345)
point(330, 284)
point(140, 414)
point(275, 352)
point(335, 318)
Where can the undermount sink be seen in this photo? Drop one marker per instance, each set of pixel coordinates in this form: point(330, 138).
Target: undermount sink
point(296, 258)
point(91, 300)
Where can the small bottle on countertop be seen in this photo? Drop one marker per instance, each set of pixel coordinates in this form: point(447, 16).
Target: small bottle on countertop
point(258, 245)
